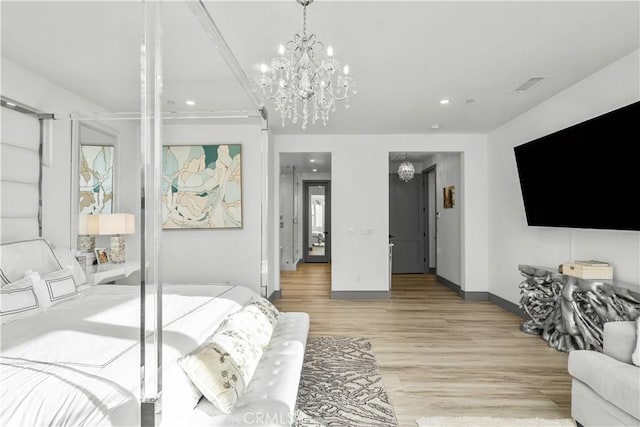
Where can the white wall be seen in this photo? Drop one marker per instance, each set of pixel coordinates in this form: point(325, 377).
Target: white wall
point(287, 261)
point(449, 222)
point(37, 92)
point(360, 201)
point(512, 242)
point(222, 256)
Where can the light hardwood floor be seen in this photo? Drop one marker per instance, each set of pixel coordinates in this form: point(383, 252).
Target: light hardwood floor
point(439, 355)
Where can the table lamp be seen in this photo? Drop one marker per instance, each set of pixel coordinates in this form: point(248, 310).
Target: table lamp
point(115, 225)
point(87, 230)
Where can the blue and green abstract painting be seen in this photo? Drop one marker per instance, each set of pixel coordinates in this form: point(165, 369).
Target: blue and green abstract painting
point(96, 179)
point(202, 186)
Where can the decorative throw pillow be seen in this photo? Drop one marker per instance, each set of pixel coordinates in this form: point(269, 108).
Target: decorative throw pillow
point(635, 357)
point(244, 351)
point(268, 309)
point(212, 370)
point(57, 287)
point(65, 257)
point(19, 300)
point(254, 323)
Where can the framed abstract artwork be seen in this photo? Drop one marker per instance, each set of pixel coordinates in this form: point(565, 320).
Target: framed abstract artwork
point(202, 186)
point(96, 179)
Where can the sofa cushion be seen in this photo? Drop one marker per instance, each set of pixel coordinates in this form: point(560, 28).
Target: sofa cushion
point(614, 381)
point(619, 340)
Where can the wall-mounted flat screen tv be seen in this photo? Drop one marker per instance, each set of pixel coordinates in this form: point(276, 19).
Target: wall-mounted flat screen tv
point(584, 176)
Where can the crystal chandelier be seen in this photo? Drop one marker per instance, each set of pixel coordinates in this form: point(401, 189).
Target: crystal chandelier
point(303, 81)
point(406, 170)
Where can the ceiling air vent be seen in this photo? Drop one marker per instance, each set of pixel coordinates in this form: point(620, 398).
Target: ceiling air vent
point(529, 84)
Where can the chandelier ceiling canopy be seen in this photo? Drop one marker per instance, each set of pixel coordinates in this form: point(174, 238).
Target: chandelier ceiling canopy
point(303, 80)
point(406, 170)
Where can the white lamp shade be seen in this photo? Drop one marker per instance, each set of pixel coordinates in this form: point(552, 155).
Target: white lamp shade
point(88, 225)
point(118, 223)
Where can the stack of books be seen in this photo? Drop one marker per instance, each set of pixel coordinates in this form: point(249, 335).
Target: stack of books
point(588, 269)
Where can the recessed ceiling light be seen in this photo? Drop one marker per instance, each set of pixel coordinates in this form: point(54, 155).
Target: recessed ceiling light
point(445, 101)
point(190, 102)
point(435, 126)
point(282, 176)
point(314, 170)
point(312, 160)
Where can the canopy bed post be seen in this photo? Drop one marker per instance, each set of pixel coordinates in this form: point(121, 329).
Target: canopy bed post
point(211, 29)
point(264, 205)
point(150, 214)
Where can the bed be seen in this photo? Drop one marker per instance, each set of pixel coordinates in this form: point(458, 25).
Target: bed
point(78, 362)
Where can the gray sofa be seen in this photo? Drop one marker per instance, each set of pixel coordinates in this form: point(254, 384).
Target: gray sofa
point(605, 390)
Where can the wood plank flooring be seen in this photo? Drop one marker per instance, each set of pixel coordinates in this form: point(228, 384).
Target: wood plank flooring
point(439, 355)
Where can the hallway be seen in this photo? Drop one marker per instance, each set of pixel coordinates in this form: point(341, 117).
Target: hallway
point(438, 354)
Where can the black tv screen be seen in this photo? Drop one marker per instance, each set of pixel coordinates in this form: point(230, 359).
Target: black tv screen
point(584, 176)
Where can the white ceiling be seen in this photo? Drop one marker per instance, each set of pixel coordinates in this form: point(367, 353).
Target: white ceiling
point(406, 56)
point(305, 162)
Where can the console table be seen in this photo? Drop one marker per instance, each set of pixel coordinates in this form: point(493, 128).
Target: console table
point(569, 313)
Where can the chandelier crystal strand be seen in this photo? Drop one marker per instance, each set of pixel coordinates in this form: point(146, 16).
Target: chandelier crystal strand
point(304, 73)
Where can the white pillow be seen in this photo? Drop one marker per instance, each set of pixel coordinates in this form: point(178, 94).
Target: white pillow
point(19, 299)
point(57, 287)
point(65, 257)
point(244, 351)
point(212, 371)
point(635, 357)
point(252, 321)
point(35, 254)
point(267, 308)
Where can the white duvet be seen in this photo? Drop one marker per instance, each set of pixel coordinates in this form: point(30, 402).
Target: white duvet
point(79, 362)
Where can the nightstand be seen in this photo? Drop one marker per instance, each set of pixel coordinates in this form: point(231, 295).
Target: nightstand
point(109, 273)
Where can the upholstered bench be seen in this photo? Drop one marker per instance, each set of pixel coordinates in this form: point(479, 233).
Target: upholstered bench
point(270, 397)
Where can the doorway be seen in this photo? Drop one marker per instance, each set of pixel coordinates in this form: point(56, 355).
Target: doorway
point(317, 221)
point(407, 225)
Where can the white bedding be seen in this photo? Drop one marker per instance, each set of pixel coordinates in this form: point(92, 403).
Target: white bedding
point(78, 362)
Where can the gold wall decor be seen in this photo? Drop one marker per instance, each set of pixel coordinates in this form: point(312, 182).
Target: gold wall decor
point(449, 197)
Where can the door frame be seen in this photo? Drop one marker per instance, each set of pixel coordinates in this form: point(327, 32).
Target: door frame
point(305, 218)
point(427, 208)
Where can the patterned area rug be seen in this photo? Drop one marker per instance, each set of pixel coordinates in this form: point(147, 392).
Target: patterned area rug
point(340, 385)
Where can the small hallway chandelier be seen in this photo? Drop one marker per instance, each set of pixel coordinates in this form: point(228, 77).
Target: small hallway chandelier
point(406, 170)
point(304, 79)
